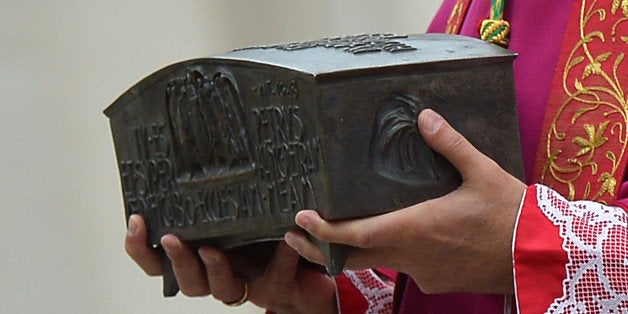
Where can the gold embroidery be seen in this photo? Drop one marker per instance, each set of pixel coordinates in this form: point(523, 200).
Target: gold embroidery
point(595, 95)
point(595, 139)
point(624, 7)
point(455, 19)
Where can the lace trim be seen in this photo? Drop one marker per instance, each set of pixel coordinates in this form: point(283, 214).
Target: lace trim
point(378, 293)
point(595, 237)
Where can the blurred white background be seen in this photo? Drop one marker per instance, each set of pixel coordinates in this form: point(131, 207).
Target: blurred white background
point(61, 64)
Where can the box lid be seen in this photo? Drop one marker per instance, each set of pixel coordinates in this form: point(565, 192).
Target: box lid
point(352, 54)
point(334, 59)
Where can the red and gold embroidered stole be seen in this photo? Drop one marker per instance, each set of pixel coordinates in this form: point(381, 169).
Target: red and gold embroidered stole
point(583, 152)
point(458, 13)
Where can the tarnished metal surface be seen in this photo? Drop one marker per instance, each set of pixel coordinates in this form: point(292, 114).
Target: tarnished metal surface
point(225, 150)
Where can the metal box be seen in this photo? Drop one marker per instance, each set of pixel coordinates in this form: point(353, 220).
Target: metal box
point(225, 150)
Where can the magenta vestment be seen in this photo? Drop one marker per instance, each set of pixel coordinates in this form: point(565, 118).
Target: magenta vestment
point(536, 35)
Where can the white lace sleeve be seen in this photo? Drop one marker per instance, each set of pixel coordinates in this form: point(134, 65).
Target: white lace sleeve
point(377, 292)
point(595, 237)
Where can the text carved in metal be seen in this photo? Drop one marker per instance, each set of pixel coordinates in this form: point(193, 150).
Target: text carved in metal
point(250, 176)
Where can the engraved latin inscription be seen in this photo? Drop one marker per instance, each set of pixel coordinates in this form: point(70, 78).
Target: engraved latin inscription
point(150, 188)
point(285, 158)
point(204, 165)
point(286, 153)
point(148, 182)
point(270, 88)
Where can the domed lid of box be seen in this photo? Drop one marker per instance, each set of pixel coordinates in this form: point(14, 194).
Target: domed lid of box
point(349, 56)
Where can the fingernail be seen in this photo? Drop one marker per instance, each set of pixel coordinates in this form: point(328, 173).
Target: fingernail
point(303, 221)
point(167, 246)
point(208, 258)
point(131, 230)
point(291, 240)
point(431, 120)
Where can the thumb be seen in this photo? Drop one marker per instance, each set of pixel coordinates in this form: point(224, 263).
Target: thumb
point(448, 142)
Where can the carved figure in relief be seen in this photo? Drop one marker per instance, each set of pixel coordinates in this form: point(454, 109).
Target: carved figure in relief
point(209, 131)
point(397, 150)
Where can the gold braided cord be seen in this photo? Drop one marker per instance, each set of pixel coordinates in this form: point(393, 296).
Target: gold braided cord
point(495, 32)
point(495, 29)
point(497, 9)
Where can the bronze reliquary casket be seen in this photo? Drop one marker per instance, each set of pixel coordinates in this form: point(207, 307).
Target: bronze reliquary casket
point(225, 150)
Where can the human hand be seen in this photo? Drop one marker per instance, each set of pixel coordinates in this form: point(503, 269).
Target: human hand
point(460, 242)
point(285, 285)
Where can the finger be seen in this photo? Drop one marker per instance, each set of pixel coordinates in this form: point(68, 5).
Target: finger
point(451, 144)
point(369, 232)
point(224, 285)
point(359, 258)
point(283, 267)
point(136, 245)
point(365, 259)
point(187, 268)
point(299, 242)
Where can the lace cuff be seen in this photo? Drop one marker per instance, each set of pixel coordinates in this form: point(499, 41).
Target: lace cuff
point(364, 291)
point(570, 256)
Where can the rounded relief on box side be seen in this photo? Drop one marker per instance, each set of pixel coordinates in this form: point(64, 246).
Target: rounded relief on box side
point(397, 151)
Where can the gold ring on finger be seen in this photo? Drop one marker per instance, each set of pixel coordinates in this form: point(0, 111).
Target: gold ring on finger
point(243, 299)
